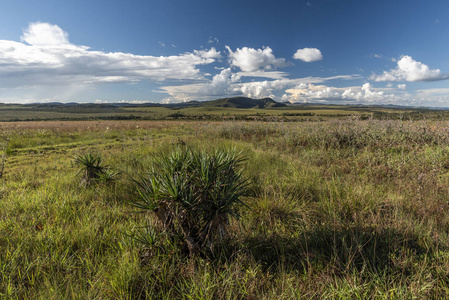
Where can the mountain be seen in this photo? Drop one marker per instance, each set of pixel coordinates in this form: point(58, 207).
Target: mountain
point(242, 102)
point(234, 102)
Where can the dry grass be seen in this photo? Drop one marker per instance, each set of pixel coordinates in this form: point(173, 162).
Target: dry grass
point(71, 126)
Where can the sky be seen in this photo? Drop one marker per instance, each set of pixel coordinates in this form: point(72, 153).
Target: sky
point(166, 51)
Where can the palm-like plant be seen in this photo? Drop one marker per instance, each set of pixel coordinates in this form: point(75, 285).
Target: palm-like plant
point(194, 193)
point(92, 168)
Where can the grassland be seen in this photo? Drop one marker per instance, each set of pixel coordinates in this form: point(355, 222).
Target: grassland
point(208, 112)
point(341, 209)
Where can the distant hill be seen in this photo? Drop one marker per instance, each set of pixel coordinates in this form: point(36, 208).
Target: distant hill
point(241, 108)
point(242, 102)
point(73, 107)
point(234, 102)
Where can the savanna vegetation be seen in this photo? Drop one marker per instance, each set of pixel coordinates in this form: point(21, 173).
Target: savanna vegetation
point(237, 108)
point(333, 209)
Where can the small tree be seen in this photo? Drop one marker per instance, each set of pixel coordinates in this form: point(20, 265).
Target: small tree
point(194, 193)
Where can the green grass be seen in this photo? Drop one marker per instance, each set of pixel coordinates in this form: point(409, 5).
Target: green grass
point(205, 111)
point(341, 210)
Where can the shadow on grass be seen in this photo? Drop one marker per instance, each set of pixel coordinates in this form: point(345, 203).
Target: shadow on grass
point(343, 250)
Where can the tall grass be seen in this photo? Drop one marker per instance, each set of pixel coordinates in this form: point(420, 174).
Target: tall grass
point(340, 209)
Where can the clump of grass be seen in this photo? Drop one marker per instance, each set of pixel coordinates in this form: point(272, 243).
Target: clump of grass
point(194, 193)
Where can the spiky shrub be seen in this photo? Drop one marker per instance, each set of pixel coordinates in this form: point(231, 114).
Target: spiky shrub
point(92, 168)
point(194, 193)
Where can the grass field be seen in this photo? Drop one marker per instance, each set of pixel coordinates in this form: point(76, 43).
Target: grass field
point(161, 113)
point(296, 112)
point(339, 209)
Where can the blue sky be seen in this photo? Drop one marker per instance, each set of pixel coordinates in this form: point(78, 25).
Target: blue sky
point(325, 51)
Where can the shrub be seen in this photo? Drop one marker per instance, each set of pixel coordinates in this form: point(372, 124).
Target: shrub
point(194, 193)
point(92, 169)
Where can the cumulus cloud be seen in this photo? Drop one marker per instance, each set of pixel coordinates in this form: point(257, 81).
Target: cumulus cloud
point(250, 59)
point(46, 56)
point(211, 53)
point(360, 94)
point(180, 93)
point(308, 54)
point(411, 70)
point(44, 34)
point(267, 88)
point(221, 84)
point(228, 84)
point(311, 92)
point(258, 89)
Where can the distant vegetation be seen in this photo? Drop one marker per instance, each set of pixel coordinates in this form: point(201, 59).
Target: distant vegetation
point(237, 108)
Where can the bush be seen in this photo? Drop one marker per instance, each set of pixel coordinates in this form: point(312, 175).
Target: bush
point(194, 193)
point(92, 169)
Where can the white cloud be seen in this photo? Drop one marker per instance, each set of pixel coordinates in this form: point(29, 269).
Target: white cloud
point(311, 92)
point(228, 84)
point(250, 59)
point(45, 57)
point(260, 89)
point(213, 40)
point(264, 74)
point(308, 89)
point(211, 53)
point(48, 58)
point(437, 97)
point(433, 92)
point(44, 34)
point(360, 94)
point(266, 88)
point(221, 84)
point(180, 93)
point(411, 70)
point(308, 54)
